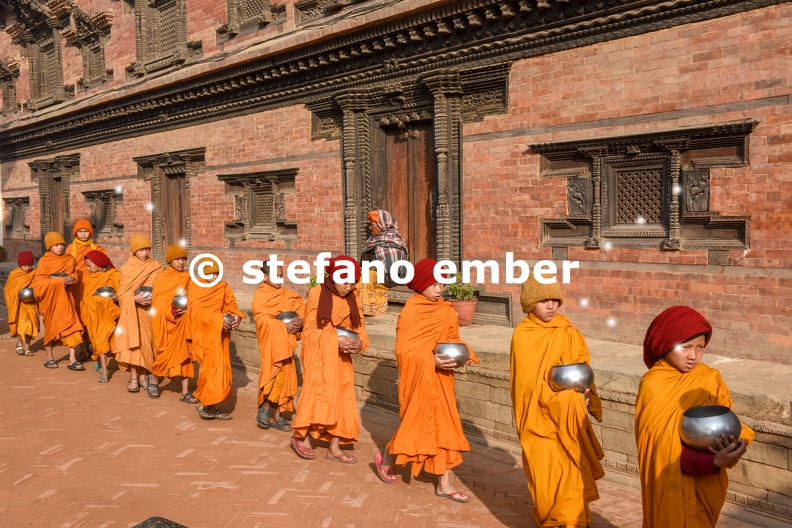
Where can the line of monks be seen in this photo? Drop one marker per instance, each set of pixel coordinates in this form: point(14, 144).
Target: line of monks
point(152, 339)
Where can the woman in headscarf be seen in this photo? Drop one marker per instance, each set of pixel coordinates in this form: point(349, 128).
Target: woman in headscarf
point(385, 244)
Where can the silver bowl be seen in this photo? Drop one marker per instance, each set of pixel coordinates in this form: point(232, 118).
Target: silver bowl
point(105, 291)
point(59, 275)
point(144, 290)
point(701, 426)
point(574, 376)
point(179, 302)
point(346, 332)
point(26, 295)
point(287, 317)
point(459, 352)
point(228, 318)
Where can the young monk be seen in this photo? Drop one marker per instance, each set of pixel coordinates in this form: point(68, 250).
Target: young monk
point(276, 341)
point(23, 316)
point(210, 336)
point(81, 244)
point(55, 297)
point(327, 409)
point(134, 343)
point(681, 487)
point(430, 434)
point(170, 326)
point(100, 313)
point(560, 452)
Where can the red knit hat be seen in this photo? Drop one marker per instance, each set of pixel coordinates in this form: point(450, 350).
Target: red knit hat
point(25, 258)
point(99, 258)
point(424, 275)
point(675, 325)
point(335, 264)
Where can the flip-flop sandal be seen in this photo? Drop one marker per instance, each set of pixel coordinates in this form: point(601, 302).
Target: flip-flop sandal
point(384, 474)
point(20, 350)
point(133, 386)
point(302, 451)
point(344, 458)
point(28, 353)
point(220, 415)
point(103, 379)
point(75, 366)
point(51, 364)
point(188, 398)
point(456, 496)
point(152, 389)
point(262, 417)
point(203, 413)
point(97, 367)
point(281, 424)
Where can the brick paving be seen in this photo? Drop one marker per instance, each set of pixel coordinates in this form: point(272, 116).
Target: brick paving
point(77, 453)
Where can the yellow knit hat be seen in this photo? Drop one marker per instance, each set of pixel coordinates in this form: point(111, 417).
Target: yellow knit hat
point(138, 242)
point(53, 238)
point(173, 252)
point(533, 292)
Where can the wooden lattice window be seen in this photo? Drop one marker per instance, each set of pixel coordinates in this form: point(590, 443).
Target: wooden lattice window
point(16, 210)
point(9, 73)
point(103, 215)
point(161, 35)
point(259, 204)
point(245, 16)
point(89, 35)
point(54, 176)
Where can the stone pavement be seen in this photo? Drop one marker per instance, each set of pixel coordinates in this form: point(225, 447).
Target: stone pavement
point(78, 453)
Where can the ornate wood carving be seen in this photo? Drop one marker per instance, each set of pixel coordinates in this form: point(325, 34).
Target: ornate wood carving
point(245, 16)
point(259, 200)
point(37, 31)
point(16, 210)
point(190, 163)
point(649, 191)
point(90, 34)
point(103, 205)
point(161, 36)
point(44, 171)
point(9, 73)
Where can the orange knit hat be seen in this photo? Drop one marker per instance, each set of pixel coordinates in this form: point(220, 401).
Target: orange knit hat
point(82, 224)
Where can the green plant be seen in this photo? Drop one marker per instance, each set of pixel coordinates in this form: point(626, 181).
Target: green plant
point(312, 282)
point(460, 291)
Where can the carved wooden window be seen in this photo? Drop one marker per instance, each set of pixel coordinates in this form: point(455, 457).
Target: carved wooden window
point(89, 35)
point(16, 210)
point(9, 73)
point(161, 35)
point(245, 16)
point(38, 31)
point(103, 216)
point(54, 176)
point(647, 191)
point(259, 204)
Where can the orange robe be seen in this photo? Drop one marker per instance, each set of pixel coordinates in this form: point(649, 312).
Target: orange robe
point(664, 394)
point(430, 434)
point(78, 250)
point(560, 452)
point(23, 317)
point(99, 314)
point(278, 375)
point(134, 341)
point(210, 345)
point(56, 300)
point(327, 406)
point(170, 333)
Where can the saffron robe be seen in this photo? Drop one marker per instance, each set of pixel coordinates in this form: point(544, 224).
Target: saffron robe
point(23, 317)
point(56, 301)
point(99, 314)
point(170, 332)
point(78, 250)
point(560, 452)
point(430, 434)
point(327, 407)
point(663, 395)
point(210, 344)
point(276, 346)
point(134, 341)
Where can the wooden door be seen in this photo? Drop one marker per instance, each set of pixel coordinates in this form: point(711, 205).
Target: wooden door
point(174, 198)
point(409, 175)
point(58, 208)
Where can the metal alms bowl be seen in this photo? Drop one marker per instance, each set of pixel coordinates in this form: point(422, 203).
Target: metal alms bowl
point(459, 352)
point(346, 332)
point(287, 317)
point(144, 290)
point(59, 275)
point(105, 291)
point(574, 376)
point(179, 302)
point(228, 318)
point(26, 294)
point(701, 426)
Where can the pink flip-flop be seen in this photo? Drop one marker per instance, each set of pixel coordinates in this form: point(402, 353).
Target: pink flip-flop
point(344, 458)
point(456, 496)
point(385, 475)
point(301, 451)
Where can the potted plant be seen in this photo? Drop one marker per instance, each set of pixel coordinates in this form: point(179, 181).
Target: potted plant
point(463, 297)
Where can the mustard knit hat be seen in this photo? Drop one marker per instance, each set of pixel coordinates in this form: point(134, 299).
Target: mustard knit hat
point(138, 242)
point(533, 292)
point(53, 238)
point(173, 252)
